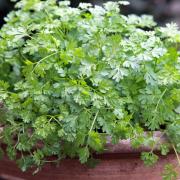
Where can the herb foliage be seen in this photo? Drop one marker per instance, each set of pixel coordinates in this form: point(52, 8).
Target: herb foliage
point(69, 77)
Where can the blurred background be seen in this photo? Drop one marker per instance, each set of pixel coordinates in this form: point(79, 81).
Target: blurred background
point(163, 10)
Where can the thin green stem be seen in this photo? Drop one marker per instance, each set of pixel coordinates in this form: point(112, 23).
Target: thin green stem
point(157, 105)
point(157, 141)
point(178, 158)
point(37, 63)
point(55, 161)
point(160, 99)
point(92, 125)
point(53, 118)
point(133, 129)
point(17, 141)
point(8, 92)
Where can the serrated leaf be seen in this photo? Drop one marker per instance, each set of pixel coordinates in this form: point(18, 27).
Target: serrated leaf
point(83, 154)
point(95, 141)
point(149, 158)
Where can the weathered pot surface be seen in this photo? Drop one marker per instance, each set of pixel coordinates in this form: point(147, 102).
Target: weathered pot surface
point(119, 162)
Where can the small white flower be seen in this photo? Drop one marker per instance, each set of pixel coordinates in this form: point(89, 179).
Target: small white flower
point(112, 6)
point(97, 11)
point(85, 5)
point(171, 30)
point(64, 3)
point(125, 3)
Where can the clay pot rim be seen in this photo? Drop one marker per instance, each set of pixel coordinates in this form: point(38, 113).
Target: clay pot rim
point(124, 146)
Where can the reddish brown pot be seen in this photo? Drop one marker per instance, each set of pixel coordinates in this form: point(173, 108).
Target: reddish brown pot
point(119, 162)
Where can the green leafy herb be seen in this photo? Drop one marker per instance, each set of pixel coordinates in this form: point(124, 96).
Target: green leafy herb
point(169, 173)
point(149, 158)
point(70, 77)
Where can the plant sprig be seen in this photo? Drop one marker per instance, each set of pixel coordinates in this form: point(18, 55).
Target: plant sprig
point(71, 76)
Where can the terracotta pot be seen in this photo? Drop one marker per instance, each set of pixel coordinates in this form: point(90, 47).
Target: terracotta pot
point(119, 162)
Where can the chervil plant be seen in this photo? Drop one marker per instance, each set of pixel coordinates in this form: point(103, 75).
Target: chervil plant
point(70, 77)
